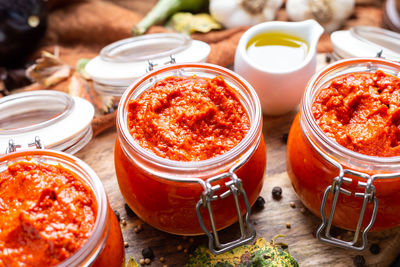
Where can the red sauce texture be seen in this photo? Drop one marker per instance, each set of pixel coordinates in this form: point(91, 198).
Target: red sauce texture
point(361, 111)
point(188, 118)
point(46, 214)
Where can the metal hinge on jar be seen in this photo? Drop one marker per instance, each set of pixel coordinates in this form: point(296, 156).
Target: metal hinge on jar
point(235, 189)
point(368, 197)
point(335, 189)
point(12, 147)
point(151, 64)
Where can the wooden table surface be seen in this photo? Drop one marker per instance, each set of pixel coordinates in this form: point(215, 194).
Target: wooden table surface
point(268, 222)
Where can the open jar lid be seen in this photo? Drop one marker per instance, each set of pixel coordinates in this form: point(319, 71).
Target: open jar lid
point(122, 62)
point(366, 41)
point(62, 122)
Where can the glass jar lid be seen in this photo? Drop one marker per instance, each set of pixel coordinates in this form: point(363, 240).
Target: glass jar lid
point(62, 122)
point(366, 41)
point(122, 62)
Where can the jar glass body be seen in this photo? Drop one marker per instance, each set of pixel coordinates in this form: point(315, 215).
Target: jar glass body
point(104, 247)
point(158, 190)
point(311, 173)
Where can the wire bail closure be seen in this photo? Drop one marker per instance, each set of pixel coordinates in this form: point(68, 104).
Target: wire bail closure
point(335, 189)
point(12, 147)
point(235, 189)
point(151, 64)
point(368, 197)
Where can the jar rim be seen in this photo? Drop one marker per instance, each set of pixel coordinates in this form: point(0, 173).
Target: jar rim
point(253, 109)
point(93, 245)
point(62, 122)
point(22, 102)
point(307, 120)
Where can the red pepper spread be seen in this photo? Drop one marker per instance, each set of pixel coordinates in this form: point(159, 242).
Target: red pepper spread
point(188, 118)
point(46, 214)
point(361, 111)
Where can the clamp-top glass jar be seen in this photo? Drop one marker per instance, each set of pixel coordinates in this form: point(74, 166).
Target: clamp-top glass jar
point(338, 183)
point(180, 196)
point(104, 244)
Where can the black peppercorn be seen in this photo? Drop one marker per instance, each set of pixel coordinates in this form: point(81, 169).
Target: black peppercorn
point(260, 202)
point(277, 192)
point(359, 261)
point(117, 215)
point(328, 58)
point(285, 137)
point(191, 249)
point(148, 253)
point(375, 249)
point(128, 210)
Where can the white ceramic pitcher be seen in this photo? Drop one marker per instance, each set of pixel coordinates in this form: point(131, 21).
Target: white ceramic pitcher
point(279, 90)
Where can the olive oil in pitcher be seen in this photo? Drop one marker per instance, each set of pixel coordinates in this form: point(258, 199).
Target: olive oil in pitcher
point(276, 51)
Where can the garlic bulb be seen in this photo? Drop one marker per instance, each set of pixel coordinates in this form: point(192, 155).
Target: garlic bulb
point(234, 13)
point(329, 13)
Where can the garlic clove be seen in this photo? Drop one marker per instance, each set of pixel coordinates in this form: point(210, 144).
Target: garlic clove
point(331, 14)
point(235, 13)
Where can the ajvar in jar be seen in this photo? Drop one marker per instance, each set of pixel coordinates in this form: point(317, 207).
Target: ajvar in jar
point(348, 121)
point(184, 122)
point(54, 212)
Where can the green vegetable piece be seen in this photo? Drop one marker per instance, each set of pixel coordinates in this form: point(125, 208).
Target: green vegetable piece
point(164, 9)
point(261, 254)
point(131, 263)
point(80, 67)
point(188, 23)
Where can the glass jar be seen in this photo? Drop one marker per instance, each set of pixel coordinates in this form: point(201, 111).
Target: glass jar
point(62, 122)
point(105, 244)
point(122, 62)
point(179, 197)
point(340, 185)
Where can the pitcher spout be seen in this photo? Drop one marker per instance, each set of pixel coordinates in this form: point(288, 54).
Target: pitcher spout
point(313, 31)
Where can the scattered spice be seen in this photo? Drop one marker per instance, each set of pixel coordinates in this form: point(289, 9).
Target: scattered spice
point(147, 261)
point(374, 249)
point(129, 211)
point(126, 244)
point(285, 137)
point(123, 222)
point(141, 262)
point(260, 202)
point(191, 249)
point(359, 261)
point(179, 248)
point(292, 204)
point(288, 225)
point(328, 58)
point(117, 215)
point(277, 192)
point(162, 259)
point(148, 253)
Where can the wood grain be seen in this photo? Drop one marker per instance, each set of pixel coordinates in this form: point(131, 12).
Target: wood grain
point(268, 222)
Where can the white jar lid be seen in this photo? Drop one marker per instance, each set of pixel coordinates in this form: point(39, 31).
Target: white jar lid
point(62, 122)
point(366, 41)
point(122, 62)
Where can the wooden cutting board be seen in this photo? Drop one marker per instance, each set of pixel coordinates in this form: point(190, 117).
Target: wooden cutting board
point(268, 222)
